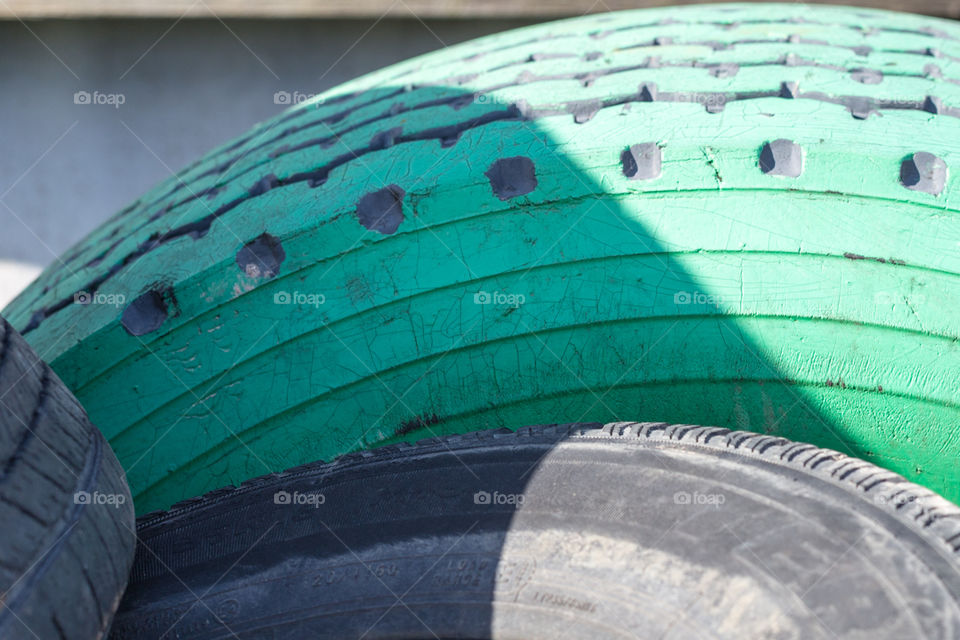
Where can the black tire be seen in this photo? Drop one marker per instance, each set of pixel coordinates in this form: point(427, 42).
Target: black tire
point(67, 538)
point(626, 530)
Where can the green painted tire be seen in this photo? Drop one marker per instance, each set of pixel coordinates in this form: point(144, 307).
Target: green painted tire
point(731, 214)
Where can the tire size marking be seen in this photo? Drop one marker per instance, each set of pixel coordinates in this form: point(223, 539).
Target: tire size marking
point(356, 573)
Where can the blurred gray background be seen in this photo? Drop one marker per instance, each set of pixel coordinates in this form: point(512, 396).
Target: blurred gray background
point(188, 86)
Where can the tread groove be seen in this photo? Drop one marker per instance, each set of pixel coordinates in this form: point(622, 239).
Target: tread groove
point(29, 434)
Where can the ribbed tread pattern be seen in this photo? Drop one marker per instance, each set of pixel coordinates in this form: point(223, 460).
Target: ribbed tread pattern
point(64, 561)
point(921, 509)
point(703, 172)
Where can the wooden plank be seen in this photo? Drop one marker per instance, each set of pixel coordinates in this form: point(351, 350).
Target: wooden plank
point(27, 9)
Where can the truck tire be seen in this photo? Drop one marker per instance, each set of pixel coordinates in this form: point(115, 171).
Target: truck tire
point(66, 512)
point(573, 531)
point(711, 214)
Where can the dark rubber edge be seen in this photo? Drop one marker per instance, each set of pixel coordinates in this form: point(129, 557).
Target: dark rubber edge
point(72, 587)
point(922, 510)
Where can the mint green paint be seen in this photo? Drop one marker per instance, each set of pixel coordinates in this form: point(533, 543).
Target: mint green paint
point(794, 338)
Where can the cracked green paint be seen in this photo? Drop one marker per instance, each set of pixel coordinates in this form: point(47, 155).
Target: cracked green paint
point(712, 294)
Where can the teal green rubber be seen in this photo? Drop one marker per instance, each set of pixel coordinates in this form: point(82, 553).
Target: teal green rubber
point(454, 243)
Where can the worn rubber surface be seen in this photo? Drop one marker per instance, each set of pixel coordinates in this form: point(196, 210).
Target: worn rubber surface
point(66, 517)
point(628, 530)
point(734, 214)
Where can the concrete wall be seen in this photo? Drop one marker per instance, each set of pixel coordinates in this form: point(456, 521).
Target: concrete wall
point(187, 86)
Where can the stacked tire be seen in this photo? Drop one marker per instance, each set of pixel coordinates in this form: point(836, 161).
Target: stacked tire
point(735, 215)
point(575, 531)
point(68, 524)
